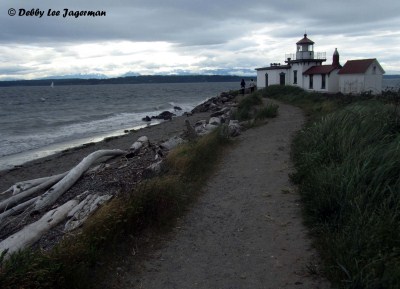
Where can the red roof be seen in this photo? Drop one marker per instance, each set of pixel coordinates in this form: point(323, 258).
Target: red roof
point(320, 69)
point(305, 40)
point(356, 66)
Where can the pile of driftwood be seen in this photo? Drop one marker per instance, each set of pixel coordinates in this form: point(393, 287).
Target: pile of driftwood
point(36, 206)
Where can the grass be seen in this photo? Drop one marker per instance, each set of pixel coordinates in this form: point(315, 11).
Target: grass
point(314, 104)
point(269, 111)
point(347, 169)
point(252, 107)
point(153, 204)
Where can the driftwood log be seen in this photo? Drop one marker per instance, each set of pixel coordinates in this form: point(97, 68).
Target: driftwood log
point(51, 196)
point(15, 199)
point(83, 210)
point(32, 233)
point(143, 141)
point(24, 185)
point(16, 209)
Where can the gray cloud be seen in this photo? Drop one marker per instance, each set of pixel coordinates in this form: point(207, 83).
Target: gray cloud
point(188, 22)
point(223, 32)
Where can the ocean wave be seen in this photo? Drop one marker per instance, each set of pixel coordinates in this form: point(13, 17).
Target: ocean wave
point(80, 112)
point(19, 142)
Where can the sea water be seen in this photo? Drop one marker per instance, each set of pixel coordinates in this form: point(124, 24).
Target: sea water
point(39, 121)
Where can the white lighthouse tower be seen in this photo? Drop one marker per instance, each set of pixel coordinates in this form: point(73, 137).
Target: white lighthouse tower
point(305, 48)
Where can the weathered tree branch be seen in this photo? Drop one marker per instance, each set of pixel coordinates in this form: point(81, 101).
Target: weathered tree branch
point(17, 208)
point(10, 202)
point(49, 197)
point(83, 210)
point(32, 233)
point(24, 185)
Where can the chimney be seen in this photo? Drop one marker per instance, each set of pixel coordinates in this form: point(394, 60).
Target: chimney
point(335, 59)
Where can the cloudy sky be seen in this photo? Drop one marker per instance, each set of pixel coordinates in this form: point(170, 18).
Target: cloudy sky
point(189, 36)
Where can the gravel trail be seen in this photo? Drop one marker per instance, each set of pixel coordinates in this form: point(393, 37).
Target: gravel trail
point(246, 230)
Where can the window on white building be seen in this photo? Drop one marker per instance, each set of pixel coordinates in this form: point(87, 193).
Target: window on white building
point(311, 84)
point(323, 81)
point(294, 76)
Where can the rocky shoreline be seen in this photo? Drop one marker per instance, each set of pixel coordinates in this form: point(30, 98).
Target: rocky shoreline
point(142, 159)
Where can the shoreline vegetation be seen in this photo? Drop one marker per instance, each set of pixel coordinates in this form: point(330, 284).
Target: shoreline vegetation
point(149, 203)
point(347, 171)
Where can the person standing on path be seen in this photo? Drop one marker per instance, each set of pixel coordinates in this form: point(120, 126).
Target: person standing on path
point(243, 85)
point(252, 85)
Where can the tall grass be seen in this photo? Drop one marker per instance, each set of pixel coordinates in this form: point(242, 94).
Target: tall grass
point(269, 111)
point(252, 107)
point(348, 173)
point(247, 106)
point(314, 104)
point(153, 204)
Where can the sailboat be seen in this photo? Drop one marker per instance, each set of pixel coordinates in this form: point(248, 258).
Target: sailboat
point(52, 84)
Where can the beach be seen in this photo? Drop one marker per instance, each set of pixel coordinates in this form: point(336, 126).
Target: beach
point(67, 159)
point(245, 230)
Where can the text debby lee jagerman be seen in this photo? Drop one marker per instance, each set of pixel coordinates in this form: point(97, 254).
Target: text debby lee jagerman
point(57, 13)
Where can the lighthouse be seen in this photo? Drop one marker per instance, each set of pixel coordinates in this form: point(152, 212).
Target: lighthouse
point(305, 49)
point(305, 69)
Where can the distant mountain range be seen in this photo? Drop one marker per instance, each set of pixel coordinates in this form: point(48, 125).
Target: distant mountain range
point(177, 72)
point(76, 76)
point(131, 78)
point(391, 76)
point(125, 80)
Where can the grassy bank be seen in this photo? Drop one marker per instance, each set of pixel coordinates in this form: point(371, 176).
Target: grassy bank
point(252, 107)
point(155, 203)
point(348, 172)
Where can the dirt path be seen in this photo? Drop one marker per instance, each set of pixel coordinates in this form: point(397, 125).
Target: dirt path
point(246, 230)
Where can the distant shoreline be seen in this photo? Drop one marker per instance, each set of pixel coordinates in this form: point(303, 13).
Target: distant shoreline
point(141, 79)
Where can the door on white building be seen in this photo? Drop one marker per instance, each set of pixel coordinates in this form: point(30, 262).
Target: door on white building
point(282, 78)
point(266, 80)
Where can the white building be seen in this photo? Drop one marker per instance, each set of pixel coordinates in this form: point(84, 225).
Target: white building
point(305, 69)
point(358, 76)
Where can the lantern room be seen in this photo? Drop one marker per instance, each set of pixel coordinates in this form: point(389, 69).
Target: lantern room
point(305, 48)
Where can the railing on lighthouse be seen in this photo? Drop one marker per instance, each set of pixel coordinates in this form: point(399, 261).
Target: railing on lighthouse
point(316, 55)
